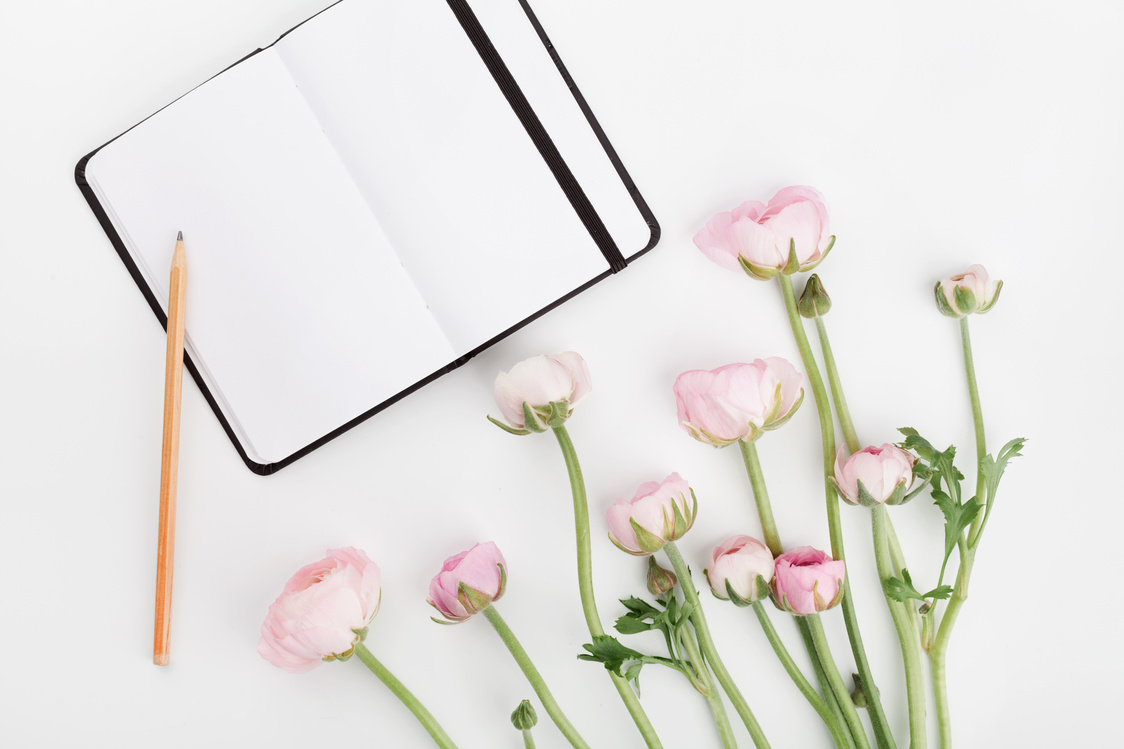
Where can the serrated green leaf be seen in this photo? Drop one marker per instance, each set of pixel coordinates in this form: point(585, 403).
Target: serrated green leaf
point(639, 606)
point(631, 624)
point(607, 650)
point(901, 588)
point(940, 593)
point(993, 468)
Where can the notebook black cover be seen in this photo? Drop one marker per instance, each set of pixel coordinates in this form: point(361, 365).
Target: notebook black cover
point(546, 148)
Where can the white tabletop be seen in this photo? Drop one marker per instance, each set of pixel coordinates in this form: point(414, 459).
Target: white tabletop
point(976, 132)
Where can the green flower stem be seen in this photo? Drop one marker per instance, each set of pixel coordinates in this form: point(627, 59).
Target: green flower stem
point(939, 651)
point(981, 441)
point(821, 677)
point(908, 635)
point(703, 683)
point(850, 714)
point(706, 642)
point(533, 676)
point(773, 541)
point(761, 497)
point(882, 732)
point(585, 584)
point(409, 700)
point(850, 436)
point(838, 734)
point(841, 410)
point(528, 739)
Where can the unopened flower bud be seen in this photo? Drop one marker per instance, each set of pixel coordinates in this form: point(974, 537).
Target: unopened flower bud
point(660, 581)
point(814, 302)
point(524, 717)
point(658, 513)
point(874, 475)
point(858, 694)
point(968, 292)
point(741, 568)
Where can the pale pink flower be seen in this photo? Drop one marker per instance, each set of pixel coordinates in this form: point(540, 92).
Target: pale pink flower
point(658, 513)
point(740, 570)
point(874, 475)
point(807, 581)
point(468, 582)
point(322, 613)
point(789, 234)
point(968, 292)
point(737, 401)
point(541, 392)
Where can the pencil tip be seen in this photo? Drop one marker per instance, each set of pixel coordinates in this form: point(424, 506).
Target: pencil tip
point(179, 237)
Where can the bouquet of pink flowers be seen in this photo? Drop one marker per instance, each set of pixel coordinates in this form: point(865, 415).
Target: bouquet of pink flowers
point(325, 610)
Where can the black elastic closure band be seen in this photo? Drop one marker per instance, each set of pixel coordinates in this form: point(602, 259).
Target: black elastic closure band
point(534, 127)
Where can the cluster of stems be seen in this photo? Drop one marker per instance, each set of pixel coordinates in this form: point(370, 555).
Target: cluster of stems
point(916, 632)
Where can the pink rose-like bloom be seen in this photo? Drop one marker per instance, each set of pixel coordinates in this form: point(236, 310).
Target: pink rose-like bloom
point(549, 387)
point(874, 475)
point(741, 568)
point(737, 401)
point(322, 613)
point(807, 581)
point(468, 582)
point(658, 513)
point(967, 292)
point(762, 239)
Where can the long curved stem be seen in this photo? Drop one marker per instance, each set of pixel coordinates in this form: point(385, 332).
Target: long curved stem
point(535, 678)
point(882, 732)
point(939, 651)
point(851, 437)
point(908, 635)
point(977, 420)
point(850, 714)
point(838, 734)
point(710, 652)
point(761, 497)
point(705, 686)
point(773, 541)
point(408, 699)
point(585, 584)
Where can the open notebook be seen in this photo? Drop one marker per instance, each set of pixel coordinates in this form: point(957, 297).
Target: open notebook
point(389, 188)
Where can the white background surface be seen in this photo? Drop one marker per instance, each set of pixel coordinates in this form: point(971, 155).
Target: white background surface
point(974, 132)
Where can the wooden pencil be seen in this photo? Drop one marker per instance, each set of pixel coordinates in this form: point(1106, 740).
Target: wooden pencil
point(169, 460)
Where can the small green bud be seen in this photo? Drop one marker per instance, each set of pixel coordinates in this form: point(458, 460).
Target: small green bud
point(524, 717)
point(660, 581)
point(858, 694)
point(814, 302)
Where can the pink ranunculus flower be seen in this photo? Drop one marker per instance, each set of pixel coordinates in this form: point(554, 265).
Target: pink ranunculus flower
point(540, 392)
point(807, 581)
point(737, 401)
point(789, 234)
point(658, 513)
point(741, 568)
point(874, 475)
point(968, 292)
point(322, 613)
point(468, 583)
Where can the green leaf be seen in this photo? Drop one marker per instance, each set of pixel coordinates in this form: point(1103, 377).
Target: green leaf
point(917, 443)
point(902, 589)
point(957, 517)
point(631, 624)
point(607, 650)
point(993, 468)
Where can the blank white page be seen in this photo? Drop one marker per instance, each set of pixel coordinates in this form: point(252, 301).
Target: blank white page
point(453, 178)
point(299, 313)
